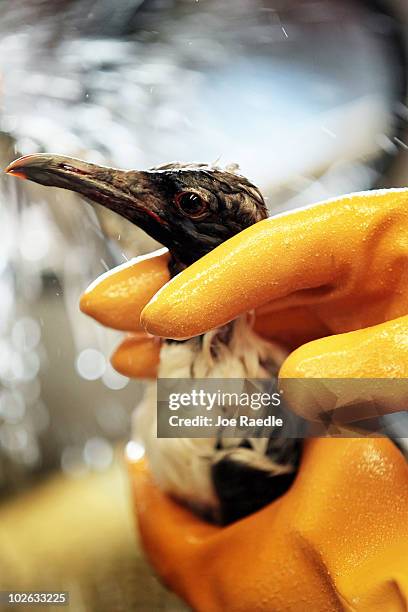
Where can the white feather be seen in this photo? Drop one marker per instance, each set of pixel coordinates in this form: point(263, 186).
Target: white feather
point(182, 466)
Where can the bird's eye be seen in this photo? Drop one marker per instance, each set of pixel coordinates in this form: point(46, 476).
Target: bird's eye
point(191, 204)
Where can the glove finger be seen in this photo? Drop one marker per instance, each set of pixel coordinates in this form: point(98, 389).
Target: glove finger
point(137, 356)
point(303, 257)
point(374, 354)
point(117, 298)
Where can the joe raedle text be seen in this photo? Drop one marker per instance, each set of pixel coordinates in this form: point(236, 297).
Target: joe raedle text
point(223, 421)
point(184, 412)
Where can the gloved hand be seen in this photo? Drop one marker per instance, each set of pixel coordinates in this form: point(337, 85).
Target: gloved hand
point(338, 539)
point(330, 279)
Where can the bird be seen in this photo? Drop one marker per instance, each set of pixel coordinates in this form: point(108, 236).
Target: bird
point(190, 209)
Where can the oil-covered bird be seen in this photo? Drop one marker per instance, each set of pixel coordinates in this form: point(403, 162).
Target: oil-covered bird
point(190, 209)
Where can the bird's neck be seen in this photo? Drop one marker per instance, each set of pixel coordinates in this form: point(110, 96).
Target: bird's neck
point(175, 265)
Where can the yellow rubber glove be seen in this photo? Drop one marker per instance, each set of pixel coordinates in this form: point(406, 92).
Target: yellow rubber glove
point(337, 271)
point(338, 539)
point(117, 297)
point(116, 300)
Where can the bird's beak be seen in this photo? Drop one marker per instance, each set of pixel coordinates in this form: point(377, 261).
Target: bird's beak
point(132, 194)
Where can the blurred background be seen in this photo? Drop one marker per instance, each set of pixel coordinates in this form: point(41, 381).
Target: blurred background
point(307, 97)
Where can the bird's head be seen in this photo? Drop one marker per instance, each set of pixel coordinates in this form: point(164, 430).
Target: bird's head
point(189, 208)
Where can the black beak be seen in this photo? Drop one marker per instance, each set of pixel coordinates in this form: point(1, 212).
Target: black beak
point(134, 195)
